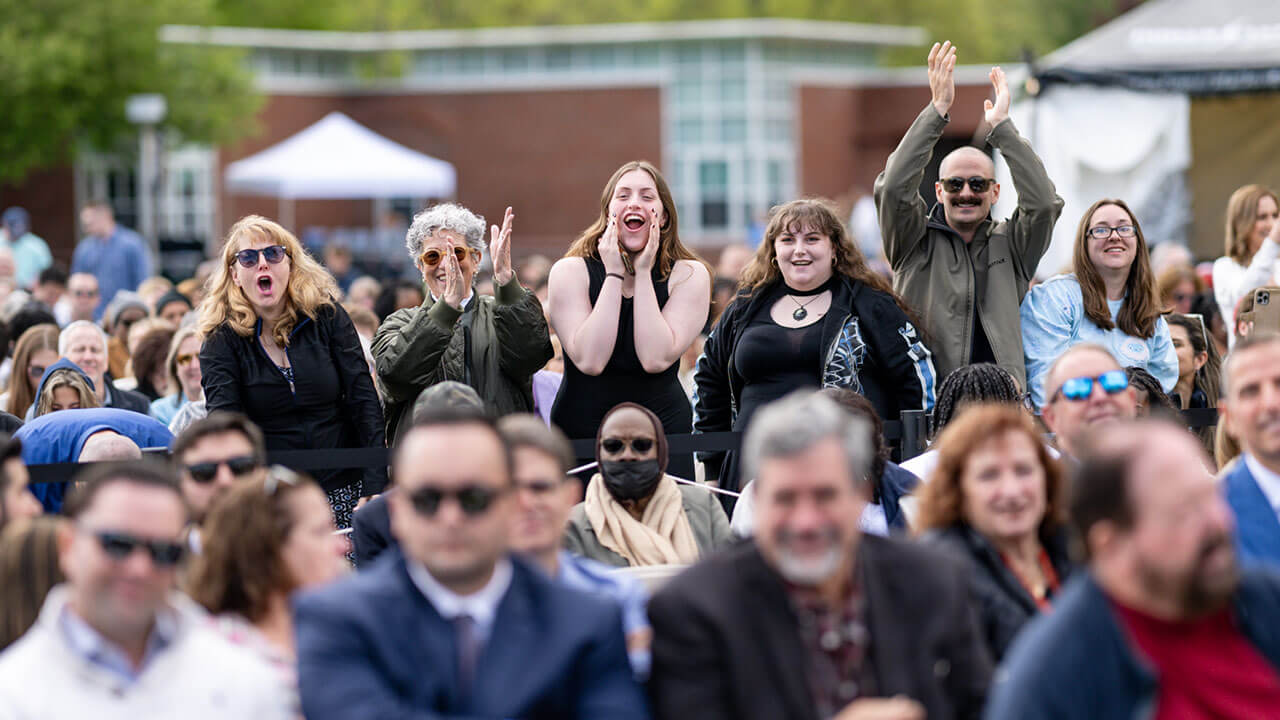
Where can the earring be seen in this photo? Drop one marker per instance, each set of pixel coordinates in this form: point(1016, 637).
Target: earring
point(774, 261)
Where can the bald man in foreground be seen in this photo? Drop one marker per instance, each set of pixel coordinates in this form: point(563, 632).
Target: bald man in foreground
point(962, 271)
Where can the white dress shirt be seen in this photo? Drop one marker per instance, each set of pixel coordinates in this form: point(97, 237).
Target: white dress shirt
point(1268, 481)
point(481, 606)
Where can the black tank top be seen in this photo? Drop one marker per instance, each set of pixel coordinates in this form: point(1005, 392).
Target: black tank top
point(584, 399)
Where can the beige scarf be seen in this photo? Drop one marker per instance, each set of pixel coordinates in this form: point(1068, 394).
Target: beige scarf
point(661, 537)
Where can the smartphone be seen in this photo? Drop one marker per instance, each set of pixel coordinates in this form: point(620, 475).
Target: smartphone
point(1266, 314)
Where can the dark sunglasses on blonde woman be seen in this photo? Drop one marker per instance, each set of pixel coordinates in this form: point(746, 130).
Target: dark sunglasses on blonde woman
point(249, 258)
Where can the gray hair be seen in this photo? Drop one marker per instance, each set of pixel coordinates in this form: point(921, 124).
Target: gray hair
point(445, 216)
point(65, 335)
point(801, 420)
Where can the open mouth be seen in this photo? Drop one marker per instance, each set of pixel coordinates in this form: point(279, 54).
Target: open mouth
point(265, 284)
point(633, 221)
point(801, 263)
point(1115, 250)
point(967, 203)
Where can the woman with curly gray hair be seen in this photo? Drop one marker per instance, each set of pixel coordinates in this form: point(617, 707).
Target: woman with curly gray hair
point(494, 344)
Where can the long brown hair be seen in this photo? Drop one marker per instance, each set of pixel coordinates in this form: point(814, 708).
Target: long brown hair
point(240, 566)
point(33, 340)
point(942, 498)
point(818, 215)
point(1141, 307)
point(1242, 213)
point(28, 570)
point(670, 249)
point(60, 378)
point(310, 286)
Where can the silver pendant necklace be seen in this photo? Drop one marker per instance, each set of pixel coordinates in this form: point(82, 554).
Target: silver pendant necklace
point(800, 313)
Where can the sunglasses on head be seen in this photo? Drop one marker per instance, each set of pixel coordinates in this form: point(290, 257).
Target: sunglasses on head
point(249, 258)
point(278, 475)
point(1080, 388)
point(239, 466)
point(976, 183)
point(472, 499)
point(613, 446)
point(118, 546)
point(432, 257)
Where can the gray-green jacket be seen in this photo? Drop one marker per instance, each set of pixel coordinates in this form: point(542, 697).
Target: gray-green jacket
point(707, 520)
point(941, 278)
point(506, 337)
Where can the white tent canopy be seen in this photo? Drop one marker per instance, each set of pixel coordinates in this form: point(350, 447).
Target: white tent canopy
point(340, 158)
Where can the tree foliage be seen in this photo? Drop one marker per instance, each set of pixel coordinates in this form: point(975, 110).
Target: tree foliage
point(69, 65)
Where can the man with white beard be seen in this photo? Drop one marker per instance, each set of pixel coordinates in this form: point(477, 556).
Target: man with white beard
point(811, 618)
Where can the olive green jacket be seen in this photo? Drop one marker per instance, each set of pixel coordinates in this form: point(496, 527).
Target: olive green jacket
point(938, 275)
point(707, 520)
point(506, 335)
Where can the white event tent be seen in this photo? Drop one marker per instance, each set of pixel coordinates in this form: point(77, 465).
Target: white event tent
point(1171, 106)
point(339, 158)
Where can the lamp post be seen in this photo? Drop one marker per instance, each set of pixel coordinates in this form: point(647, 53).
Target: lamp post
point(147, 112)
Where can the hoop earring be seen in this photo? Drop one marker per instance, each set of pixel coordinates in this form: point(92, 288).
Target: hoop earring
point(774, 261)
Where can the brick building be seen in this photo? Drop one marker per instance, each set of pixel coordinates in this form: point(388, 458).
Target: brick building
point(739, 114)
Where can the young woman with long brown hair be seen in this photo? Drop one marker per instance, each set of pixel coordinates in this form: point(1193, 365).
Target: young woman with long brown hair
point(626, 301)
point(1252, 245)
point(1109, 298)
point(809, 313)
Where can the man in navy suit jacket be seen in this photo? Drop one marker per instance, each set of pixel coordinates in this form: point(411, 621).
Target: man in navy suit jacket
point(450, 625)
point(1250, 406)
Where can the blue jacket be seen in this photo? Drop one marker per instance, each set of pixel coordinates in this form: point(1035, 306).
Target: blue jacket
point(1257, 526)
point(58, 437)
point(373, 646)
point(1077, 661)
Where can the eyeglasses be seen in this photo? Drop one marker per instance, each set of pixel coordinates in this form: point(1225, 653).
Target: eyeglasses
point(239, 466)
point(473, 500)
point(1102, 232)
point(432, 257)
point(976, 183)
point(36, 371)
point(278, 475)
point(1080, 388)
point(184, 359)
point(613, 446)
point(118, 546)
point(249, 258)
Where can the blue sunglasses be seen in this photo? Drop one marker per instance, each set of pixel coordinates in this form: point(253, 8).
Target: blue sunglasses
point(1080, 388)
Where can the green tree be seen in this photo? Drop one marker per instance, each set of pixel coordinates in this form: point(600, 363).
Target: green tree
point(69, 65)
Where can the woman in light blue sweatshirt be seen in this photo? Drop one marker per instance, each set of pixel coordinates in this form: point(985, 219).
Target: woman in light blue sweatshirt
point(1109, 298)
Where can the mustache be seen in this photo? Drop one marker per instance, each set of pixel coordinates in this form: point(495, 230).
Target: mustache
point(827, 534)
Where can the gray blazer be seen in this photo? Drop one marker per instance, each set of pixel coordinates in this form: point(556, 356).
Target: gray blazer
point(706, 518)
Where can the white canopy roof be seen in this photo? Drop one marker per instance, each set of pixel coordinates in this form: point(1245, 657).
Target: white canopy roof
point(340, 158)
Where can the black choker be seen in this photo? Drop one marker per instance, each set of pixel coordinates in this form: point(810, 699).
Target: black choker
point(805, 293)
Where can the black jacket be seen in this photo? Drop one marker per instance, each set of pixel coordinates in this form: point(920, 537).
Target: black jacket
point(718, 657)
point(1003, 604)
point(869, 346)
point(334, 404)
point(125, 399)
point(371, 530)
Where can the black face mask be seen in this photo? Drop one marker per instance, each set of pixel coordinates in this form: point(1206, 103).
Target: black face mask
point(630, 480)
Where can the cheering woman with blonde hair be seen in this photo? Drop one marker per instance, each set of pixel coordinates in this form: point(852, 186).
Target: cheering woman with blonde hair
point(626, 301)
point(280, 349)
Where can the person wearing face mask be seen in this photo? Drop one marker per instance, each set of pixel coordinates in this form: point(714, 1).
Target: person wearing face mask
point(626, 301)
point(1109, 298)
point(809, 313)
point(996, 498)
point(635, 514)
point(493, 343)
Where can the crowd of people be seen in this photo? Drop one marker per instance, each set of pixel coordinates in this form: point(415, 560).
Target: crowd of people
point(1066, 547)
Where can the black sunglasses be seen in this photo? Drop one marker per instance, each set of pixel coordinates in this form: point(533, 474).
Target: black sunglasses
point(613, 446)
point(472, 499)
point(977, 184)
point(249, 258)
point(118, 546)
point(239, 466)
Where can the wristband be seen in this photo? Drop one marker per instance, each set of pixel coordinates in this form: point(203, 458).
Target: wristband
point(617, 275)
